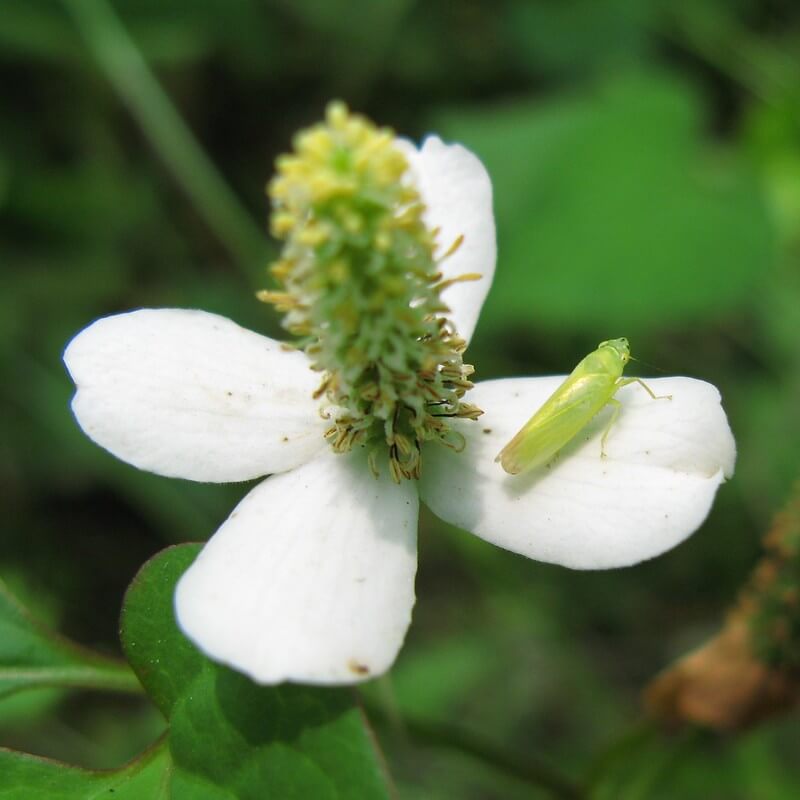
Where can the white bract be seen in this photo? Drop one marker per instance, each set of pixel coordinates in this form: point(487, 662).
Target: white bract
point(311, 578)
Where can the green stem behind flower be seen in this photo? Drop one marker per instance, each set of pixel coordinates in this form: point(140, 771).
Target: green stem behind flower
point(169, 135)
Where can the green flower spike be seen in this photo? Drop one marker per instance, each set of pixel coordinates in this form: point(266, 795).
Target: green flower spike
point(363, 290)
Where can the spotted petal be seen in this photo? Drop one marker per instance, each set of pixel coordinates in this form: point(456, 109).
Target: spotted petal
point(311, 578)
point(665, 460)
point(457, 191)
point(190, 394)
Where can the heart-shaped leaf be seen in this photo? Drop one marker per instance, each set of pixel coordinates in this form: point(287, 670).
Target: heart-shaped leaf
point(26, 777)
point(229, 737)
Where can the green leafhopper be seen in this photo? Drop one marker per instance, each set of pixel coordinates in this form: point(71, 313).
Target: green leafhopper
point(591, 386)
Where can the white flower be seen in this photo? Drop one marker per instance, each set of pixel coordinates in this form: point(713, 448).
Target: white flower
point(311, 578)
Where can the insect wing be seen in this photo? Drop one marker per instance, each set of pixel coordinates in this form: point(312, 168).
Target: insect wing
point(561, 417)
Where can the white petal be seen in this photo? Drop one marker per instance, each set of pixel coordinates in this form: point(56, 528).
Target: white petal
point(664, 461)
point(189, 394)
point(311, 578)
point(457, 191)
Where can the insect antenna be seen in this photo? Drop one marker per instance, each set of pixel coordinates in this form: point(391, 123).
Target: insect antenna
point(647, 364)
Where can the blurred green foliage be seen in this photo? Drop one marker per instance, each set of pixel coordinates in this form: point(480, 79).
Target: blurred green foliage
point(646, 167)
point(611, 213)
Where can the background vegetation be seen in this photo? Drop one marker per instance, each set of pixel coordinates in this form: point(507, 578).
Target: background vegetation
point(646, 165)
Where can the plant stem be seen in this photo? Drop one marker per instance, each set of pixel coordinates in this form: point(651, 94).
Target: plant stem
point(170, 136)
point(105, 678)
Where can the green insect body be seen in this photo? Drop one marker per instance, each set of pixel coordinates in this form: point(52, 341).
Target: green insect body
point(591, 386)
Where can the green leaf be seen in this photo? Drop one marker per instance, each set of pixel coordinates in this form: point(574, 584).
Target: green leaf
point(613, 214)
point(578, 35)
point(33, 778)
point(32, 657)
point(229, 737)
point(148, 628)
point(28, 707)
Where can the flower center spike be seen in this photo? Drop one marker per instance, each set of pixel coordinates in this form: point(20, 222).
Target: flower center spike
point(361, 287)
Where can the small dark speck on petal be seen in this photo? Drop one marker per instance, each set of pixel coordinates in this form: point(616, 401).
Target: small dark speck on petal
point(285, 439)
point(487, 430)
point(357, 667)
point(230, 394)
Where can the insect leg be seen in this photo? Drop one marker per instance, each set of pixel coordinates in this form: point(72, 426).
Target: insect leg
point(625, 381)
point(614, 414)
